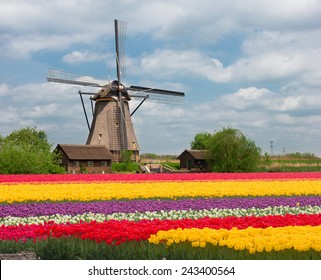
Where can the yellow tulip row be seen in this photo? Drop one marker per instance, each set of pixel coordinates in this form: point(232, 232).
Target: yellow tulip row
point(132, 190)
point(300, 238)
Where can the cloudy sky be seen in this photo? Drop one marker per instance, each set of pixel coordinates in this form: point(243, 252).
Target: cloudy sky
point(252, 65)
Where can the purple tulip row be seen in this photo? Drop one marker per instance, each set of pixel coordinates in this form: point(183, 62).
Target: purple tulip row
point(109, 207)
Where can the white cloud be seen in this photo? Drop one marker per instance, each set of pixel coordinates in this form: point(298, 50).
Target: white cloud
point(83, 56)
point(23, 46)
point(167, 63)
point(251, 93)
point(278, 63)
point(53, 107)
point(8, 116)
point(4, 90)
point(42, 111)
point(284, 119)
point(312, 78)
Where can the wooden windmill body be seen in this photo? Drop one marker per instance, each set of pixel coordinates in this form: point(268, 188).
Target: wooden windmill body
point(111, 124)
point(106, 128)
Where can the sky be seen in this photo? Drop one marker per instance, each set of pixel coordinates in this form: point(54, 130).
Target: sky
point(253, 65)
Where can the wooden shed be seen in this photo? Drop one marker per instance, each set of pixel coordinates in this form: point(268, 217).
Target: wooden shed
point(193, 160)
point(85, 158)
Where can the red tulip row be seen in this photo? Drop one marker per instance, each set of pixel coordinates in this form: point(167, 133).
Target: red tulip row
point(116, 232)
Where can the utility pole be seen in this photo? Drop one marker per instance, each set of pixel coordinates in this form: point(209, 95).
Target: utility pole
point(271, 142)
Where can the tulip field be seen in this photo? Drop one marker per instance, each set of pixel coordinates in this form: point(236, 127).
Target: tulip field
point(162, 216)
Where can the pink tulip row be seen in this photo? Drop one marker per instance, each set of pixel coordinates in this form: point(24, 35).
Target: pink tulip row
point(59, 178)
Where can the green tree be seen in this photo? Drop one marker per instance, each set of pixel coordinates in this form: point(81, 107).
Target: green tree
point(126, 156)
point(30, 138)
point(1, 141)
point(27, 151)
point(229, 150)
point(201, 141)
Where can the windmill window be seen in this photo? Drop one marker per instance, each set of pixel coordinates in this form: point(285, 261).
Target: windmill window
point(90, 163)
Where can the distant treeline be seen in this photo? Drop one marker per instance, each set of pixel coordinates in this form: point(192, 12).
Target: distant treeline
point(300, 155)
point(158, 157)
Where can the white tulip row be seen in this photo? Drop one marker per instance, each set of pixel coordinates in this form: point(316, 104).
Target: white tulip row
point(170, 215)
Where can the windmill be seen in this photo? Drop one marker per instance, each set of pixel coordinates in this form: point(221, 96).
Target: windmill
point(111, 122)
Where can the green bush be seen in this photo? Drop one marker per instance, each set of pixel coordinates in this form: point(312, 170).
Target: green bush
point(27, 151)
point(124, 167)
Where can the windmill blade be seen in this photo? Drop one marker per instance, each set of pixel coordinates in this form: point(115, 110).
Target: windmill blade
point(120, 32)
point(120, 36)
point(157, 95)
point(59, 76)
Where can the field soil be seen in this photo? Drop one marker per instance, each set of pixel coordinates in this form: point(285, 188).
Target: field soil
point(19, 256)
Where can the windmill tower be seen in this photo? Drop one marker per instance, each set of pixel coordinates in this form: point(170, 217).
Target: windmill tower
point(111, 124)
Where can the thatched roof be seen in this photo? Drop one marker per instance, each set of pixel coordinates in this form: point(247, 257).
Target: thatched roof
point(85, 152)
point(196, 154)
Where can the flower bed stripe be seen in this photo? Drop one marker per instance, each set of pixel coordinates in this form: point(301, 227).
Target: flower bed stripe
point(161, 215)
point(300, 238)
point(115, 232)
point(58, 178)
point(146, 190)
point(110, 207)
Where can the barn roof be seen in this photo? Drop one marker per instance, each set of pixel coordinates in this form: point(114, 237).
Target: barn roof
point(196, 154)
point(85, 152)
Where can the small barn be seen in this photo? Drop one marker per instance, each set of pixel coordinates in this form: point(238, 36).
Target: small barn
point(193, 160)
point(85, 158)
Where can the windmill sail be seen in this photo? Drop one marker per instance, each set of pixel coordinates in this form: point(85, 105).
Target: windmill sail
point(120, 37)
point(120, 28)
point(157, 95)
point(59, 76)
